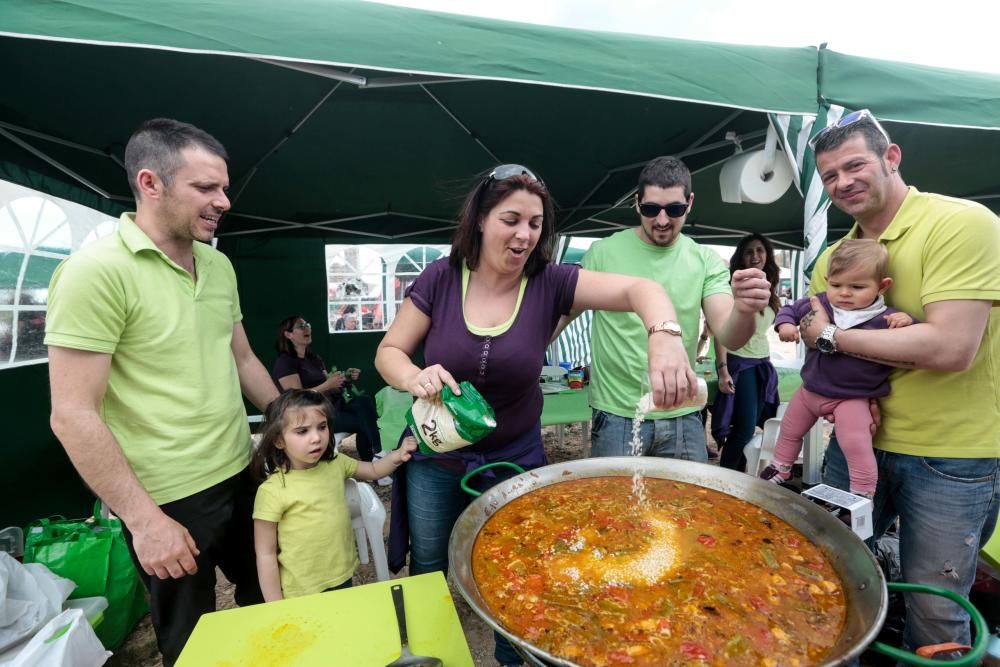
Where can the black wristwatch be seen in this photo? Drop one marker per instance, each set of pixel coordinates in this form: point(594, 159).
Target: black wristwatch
point(825, 342)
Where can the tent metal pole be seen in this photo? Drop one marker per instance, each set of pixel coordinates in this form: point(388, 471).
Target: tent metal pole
point(55, 163)
point(324, 71)
point(253, 170)
point(401, 81)
point(694, 149)
point(715, 128)
point(462, 125)
point(63, 142)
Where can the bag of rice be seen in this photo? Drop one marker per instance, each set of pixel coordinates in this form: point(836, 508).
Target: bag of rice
point(454, 422)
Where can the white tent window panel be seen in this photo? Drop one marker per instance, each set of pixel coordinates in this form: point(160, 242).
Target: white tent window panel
point(36, 233)
point(367, 283)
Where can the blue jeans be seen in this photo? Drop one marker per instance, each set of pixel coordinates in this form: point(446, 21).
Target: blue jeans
point(947, 509)
point(677, 438)
point(435, 500)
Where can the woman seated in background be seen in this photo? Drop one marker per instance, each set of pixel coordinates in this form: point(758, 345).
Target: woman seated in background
point(748, 383)
point(297, 367)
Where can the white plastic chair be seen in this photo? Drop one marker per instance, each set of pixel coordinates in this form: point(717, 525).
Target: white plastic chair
point(367, 518)
point(760, 450)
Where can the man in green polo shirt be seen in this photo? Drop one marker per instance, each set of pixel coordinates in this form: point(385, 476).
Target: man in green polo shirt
point(938, 446)
point(147, 358)
point(697, 280)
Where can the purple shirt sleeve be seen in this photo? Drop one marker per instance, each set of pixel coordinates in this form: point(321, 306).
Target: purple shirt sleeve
point(791, 313)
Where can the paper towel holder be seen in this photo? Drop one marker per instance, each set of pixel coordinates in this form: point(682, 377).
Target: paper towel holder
point(756, 176)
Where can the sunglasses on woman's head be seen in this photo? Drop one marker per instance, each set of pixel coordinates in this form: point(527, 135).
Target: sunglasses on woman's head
point(505, 171)
point(846, 120)
point(674, 210)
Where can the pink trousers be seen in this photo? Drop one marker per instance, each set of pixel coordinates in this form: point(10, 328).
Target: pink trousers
point(853, 420)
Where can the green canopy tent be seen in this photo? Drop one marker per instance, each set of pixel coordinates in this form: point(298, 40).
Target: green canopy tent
point(353, 122)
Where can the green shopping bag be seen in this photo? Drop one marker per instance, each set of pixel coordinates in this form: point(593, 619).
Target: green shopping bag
point(93, 554)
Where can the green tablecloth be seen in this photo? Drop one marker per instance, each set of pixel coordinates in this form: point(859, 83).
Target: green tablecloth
point(391, 405)
point(567, 407)
point(573, 406)
point(788, 380)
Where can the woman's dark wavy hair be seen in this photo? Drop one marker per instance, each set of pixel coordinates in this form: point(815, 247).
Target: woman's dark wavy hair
point(267, 457)
point(771, 270)
point(281, 343)
point(467, 242)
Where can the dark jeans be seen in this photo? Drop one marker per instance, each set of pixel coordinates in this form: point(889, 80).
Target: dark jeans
point(359, 417)
point(435, 500)
point(220, 521)
point(947, 510)
point(747, 405)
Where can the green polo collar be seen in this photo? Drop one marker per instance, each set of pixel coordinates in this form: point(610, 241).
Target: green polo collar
point(136, 241)
point(901, 222)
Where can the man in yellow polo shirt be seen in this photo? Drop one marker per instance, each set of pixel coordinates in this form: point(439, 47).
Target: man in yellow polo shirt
point(938, 446)
point(147, 357)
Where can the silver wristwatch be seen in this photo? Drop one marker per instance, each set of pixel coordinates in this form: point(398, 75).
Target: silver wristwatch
point(826, 343)
point(668, 326)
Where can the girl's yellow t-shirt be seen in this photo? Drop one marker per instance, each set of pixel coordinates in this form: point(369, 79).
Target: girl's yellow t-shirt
point(316, 548)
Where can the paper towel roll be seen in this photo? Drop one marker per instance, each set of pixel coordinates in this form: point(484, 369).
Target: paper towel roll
point(740, 179)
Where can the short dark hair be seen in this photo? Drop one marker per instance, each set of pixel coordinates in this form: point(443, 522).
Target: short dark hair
point(488, 193)
point(664, 172)
point(874, 136)
point(157, 144)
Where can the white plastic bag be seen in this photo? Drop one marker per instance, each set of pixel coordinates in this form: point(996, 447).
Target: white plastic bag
point(30, 595)
point(65, 641)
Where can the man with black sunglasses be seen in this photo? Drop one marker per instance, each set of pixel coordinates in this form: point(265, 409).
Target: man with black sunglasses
point(938, 446)
point(697, 280)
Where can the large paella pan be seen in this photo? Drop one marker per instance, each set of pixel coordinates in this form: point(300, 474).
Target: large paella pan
point(541, 571)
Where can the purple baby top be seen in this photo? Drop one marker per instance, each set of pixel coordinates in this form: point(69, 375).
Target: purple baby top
point(504, 368)
point(839, 375)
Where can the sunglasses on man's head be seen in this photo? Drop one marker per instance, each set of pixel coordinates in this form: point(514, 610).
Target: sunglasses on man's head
point(674, 210)
point(847, 120)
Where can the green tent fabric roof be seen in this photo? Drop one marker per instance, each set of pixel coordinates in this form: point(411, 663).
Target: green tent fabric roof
point(351, 121)
point(393, 39)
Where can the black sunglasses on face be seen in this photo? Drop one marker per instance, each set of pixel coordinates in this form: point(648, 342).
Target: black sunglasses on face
point(674, 210)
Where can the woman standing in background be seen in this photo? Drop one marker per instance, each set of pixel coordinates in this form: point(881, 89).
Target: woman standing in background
point(748, 383)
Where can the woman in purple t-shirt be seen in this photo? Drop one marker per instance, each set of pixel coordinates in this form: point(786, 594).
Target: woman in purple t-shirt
point(486, 315)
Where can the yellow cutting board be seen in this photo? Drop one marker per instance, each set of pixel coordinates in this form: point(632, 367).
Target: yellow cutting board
point(355, 626)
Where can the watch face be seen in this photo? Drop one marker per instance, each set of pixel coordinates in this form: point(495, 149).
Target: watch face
point(824, 345)
point(672, 328)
